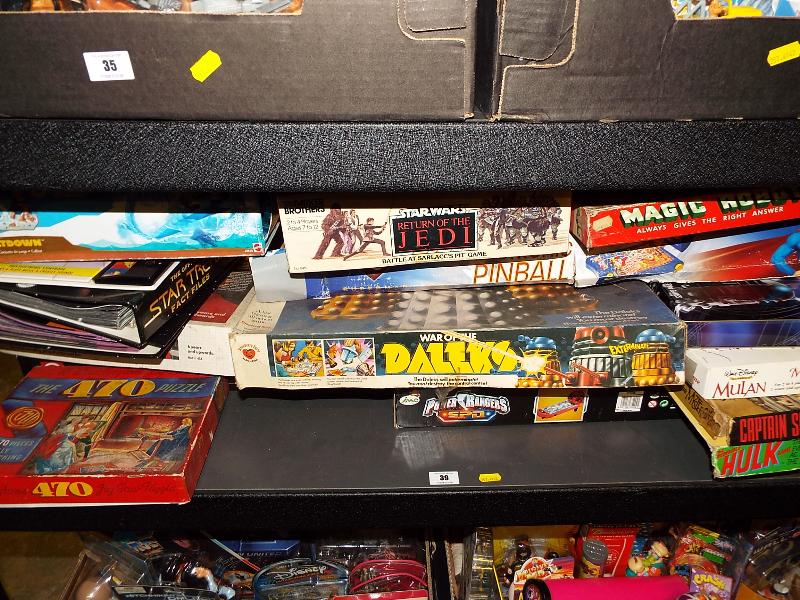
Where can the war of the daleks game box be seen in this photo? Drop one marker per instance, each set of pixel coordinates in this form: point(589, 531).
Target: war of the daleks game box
point(505, 337)
point(442, 407)
point(358, 231)
point(97, 435)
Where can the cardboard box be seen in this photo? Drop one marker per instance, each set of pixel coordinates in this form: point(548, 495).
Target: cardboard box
point(747, 459)
point(772, 252)
point(604, 221)
point(722, 373)
point(274, 283)
point(340, 232)
point(761, 312)
point(203, 345)
point(79, 227)
point(435, 407)
point(504, 337)
point(573, 60)
point(332, 60)
point(94, 435)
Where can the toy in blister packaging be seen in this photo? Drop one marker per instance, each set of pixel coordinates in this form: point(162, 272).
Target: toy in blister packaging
point(619, 541)
point(772, 570)
point(350, 553)
point(300, 579)
point(523, 553)
point(702, 549)
point(710, 586)
point(652, 563)
point(387, 575)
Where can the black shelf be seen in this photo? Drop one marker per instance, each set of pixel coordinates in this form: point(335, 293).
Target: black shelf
point(169, 155)
point(315, 465)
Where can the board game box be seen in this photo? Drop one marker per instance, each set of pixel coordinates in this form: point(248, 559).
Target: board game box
point(604, 222)
point(202, 346)
point(438, 407)
point(761, 312)
point(91, 435)
point(274, 283)
point(758, 254)
point(722, 373)
point(365, 231)
point(504, 337)
point(745, 420)
point(758, 458)
point(42, 227)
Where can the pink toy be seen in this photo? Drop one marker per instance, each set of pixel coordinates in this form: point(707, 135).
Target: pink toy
point(606, 588)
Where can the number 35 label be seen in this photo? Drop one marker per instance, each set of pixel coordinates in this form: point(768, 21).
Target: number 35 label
point(108, 66)
point(443, 477)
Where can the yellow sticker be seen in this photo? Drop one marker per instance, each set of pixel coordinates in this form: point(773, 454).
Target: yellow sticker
point(783, 54)
point(205, 66)
point(489, 477)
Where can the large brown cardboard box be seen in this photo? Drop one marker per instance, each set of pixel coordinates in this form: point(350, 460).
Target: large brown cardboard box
point(589, 60)
point(335, 60)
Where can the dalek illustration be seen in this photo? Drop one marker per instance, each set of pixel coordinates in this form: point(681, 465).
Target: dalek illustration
point(543, 350)
point(592, 362)
point(652, 365)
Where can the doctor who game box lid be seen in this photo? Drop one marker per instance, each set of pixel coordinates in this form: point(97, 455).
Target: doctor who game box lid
point(511, 336)
point(94, 435)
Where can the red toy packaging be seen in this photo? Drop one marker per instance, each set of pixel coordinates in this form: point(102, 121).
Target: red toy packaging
point(618, 540)
point(89, 435)
point(602, 227)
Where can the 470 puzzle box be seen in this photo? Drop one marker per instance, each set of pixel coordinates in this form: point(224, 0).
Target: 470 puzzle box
point(513, 336)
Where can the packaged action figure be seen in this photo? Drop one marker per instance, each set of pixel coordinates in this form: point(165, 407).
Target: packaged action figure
point(350, 232)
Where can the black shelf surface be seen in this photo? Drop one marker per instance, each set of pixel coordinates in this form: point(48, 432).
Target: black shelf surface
point(334, 463)
point(169, 155)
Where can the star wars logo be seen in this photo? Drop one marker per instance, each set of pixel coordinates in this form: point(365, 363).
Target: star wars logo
point(466, 406)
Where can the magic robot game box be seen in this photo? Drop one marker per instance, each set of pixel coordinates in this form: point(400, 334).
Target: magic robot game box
point(605, 226)
point(513, 336)
point(93, 435)
point(345, 232)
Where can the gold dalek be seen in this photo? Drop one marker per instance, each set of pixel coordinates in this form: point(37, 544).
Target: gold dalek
point(542, 350)
point(652, 364)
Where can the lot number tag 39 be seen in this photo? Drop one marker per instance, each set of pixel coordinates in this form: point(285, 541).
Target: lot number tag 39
point(443, 477)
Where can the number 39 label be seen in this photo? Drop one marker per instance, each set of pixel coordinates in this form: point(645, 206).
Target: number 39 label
point(108, 66)
point(443, 477)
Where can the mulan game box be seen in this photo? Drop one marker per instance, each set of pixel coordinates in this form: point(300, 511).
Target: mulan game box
point(95, 435)
point(513, 336)
point(438, 407)
point(761, 312)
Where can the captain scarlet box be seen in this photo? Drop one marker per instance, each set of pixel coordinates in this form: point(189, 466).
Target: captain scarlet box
point(309, 60)
point(573, 60)
point(93, 435)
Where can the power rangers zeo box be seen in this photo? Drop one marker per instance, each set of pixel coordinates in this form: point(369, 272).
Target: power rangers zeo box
point(95, 435)
point(506, 337)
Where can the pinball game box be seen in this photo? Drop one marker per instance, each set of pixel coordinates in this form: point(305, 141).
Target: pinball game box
point(92, 435)
point(506, 337)
point(356, 231)
point(645, 59)
point(437, 407)
point(315, 60)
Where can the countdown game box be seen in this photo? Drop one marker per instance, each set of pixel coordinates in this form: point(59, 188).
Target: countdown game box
point(92, 435)
point(43, 227)
point(357, 231)
point(599, 226)
point(513, 336)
